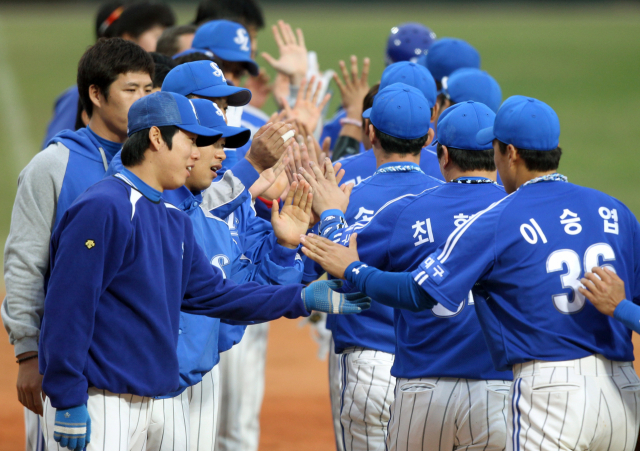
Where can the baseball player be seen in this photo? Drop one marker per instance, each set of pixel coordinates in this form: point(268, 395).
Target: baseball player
point(446, 55)
point(399, 130)
point(48, 185)
point(121, 246)
point(451, 391)
point(574, 383)
point(141, 23)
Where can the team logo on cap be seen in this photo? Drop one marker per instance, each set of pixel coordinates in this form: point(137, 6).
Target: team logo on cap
point(193, 107)
point(217, 71)
point(242, 39)
point(218, 110)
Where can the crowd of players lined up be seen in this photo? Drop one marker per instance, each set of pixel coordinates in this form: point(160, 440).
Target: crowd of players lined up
point(475, 299)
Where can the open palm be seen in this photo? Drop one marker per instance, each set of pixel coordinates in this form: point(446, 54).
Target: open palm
point(293, 220)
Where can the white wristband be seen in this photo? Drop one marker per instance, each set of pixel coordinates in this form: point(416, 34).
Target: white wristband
point(290, 134)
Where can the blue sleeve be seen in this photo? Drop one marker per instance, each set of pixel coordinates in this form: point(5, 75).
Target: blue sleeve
point(64, 114)
point(254, 233)
point(69, 315)
point(451, 271)
point(332, 224)
point(628, 314)
point(208, 293)
point(229, 335)
point(636, 254)
point(394, 289)
point(278, 266)
point(245, 172)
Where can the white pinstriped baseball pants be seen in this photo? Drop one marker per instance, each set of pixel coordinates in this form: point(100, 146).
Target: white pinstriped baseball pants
point(119, 422)
point(33, 431)
point(445, 414)
point(586, 404)
point(367, 392)
point(335, 390)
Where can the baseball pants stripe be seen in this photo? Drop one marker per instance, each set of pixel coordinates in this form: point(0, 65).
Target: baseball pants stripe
point(242, 390)
point(170, 426)
point(586, 404)
point(335, 391)
point(203, 411)
point(367, 393)
point(33, 431)
point(119, 422)
point(444, 414)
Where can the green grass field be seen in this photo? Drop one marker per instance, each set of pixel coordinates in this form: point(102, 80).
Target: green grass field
point(582, 60)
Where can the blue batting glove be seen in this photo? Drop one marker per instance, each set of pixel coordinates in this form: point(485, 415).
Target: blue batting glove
point(73, 427)
point(322, 297)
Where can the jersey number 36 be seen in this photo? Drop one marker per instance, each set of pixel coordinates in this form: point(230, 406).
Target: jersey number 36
point(571, 279)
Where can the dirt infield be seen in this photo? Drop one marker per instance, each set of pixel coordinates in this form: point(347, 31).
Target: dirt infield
point(296, 412)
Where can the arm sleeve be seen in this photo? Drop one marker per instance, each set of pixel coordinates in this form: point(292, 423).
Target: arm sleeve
point(397, 290)
point(279, 266)
point(345, 147)
point(26, 253)
point(332, 224)
point(245, 172)
point(80, 274)
point(225, 195)
point(636, 253)
point(208, 293)
point(628, 314)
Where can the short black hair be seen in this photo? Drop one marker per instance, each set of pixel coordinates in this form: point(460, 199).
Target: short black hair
point(537, 160)
point(163, 65)
point(196, 56)
point(245, 12)
point(104, 61)
point(168, 42)
point(134, 19)
point(138, 143)
point(391, 144)
point(470, 160)
point(368, 99)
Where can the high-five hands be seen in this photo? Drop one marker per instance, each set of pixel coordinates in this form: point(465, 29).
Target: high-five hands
point(293, 53)
point(322, 297)
point(308, 107)
point(333, 257)
point(293, 220)
point(268, 145)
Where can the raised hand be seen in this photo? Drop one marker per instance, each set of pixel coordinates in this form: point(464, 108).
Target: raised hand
point(327, 195)
point(333, 257)
point(604, 289)
point(269, 176)
point(355, 87)
point(293, 220)
point(293, 53)
point(322, 297)
point(308, 108)
point(268, 145)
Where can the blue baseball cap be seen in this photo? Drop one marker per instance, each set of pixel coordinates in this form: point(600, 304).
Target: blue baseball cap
point(401, 111)
point(165, 108)
point(446, 55)
point(211, 117)
point(228, 41)
point(472, 84)
point(411, 74)
point(205, 52)
point(460, 123)
point(524, 122)
point(204, 78)
point(407, 42)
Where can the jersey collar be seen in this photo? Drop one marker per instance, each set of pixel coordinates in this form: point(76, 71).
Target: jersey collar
point(150, 193)
point(398, 167)
point(473, 180)
point(555, 177)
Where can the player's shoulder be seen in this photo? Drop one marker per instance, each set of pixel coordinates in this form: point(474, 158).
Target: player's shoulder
point(351, 159)
point(50, 160)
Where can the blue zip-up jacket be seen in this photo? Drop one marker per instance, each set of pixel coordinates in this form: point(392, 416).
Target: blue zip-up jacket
point(65, 112)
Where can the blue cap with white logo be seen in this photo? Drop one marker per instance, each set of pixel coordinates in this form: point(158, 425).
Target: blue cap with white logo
point(204, 78)
point(447, 55)
point(165, 108)
point(472, 84)
point(407, 42)
point(205, 52)
point(411, 74)
point(401, 111)
point(526, 123)
point(211, 117)
point(459, 124)
point(228, 41)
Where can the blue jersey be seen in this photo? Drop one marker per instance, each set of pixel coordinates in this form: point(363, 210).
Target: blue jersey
point(332, 127)
point(373, 328)
point(123, 264)
point(525, 255)
point(440, 342)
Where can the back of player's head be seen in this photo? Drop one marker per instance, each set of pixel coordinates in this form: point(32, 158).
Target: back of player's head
point(163, 65)
point(104, 61)
point(401, 118)
point(169, 42)
point(229, 41)
point(407, 42)
point(246, 12)
point(447, 55)
point(532, 127)
point(457, 130)
point(411, 74)
point(132, 19)
point(472, 84)
point(166, 110)
point(211, 116)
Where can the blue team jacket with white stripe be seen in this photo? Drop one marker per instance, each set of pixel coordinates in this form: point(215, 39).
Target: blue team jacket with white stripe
point(123, 265)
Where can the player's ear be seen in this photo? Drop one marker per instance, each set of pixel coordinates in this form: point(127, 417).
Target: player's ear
point(444, 159)
point(95, 94)
point(512, 153)
point(435, 111)
point(372, 134)
point(155, 139)
point(430, 136)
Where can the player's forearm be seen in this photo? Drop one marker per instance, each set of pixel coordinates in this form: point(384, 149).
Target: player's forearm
point(332, 224)
point(397, 290)
point(628, 314)
point(245, 172)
